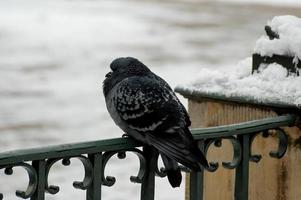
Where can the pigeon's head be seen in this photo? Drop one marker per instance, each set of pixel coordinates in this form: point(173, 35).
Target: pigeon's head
point(126, 67)
point(122, 68)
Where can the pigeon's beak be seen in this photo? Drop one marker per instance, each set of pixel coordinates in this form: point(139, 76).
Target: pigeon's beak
point(108, 75)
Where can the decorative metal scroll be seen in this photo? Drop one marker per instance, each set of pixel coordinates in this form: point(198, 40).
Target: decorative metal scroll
point(110, 180)
point(282, 145)
point(237, 149)
point(237, 152)
point(139, 178)
point(160, 172)
point(33, 179)
point(83, 185)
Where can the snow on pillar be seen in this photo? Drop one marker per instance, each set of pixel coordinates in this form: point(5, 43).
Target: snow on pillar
point(246, 93)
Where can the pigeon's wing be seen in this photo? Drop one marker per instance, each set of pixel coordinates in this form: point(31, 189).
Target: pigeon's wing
point(180, 147)
point(149, 107)
point(181, 107)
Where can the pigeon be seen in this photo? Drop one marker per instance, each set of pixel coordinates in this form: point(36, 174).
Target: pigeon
point(145, 107)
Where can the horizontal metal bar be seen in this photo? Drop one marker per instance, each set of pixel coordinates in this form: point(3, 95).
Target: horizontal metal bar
point(245, 127)
point(67, 150)
point(73, 149)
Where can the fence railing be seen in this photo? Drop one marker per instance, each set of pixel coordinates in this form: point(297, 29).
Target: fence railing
point(95, 155)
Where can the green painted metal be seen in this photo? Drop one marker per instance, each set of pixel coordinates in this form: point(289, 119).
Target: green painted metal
point(148, 182)
point(196, 185)
point(196, 180)
point(94, 190)
point(40, 166)
point(94, 156)
point(67, 150)
point(242, 171)
point(245, 127)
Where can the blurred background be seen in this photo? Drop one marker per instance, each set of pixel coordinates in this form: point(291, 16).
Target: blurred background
point(54, 55)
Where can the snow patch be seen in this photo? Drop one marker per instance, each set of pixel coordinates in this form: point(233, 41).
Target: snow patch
point(269, 84)
point(289, 29)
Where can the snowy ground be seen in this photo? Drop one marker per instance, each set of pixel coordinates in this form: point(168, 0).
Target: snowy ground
point(54, 55)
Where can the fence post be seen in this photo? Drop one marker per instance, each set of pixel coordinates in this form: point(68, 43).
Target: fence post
point(94, 190)
point(148, 182)
point(197, 180)
point(242, 171)
point(40, 167)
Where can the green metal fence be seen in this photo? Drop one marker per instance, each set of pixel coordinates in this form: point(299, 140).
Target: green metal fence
point(95, 155)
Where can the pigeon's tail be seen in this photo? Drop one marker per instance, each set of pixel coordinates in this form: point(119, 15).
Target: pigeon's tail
point(180, 147)
point(173, 171)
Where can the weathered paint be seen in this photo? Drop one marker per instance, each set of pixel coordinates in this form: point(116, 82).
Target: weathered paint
point(270, 178)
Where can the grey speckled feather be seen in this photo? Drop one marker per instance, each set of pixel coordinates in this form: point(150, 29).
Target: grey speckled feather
point(144, 106)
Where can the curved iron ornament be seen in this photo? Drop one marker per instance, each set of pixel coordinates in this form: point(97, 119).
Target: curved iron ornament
point(110, 180)
point(33, 180)
point(237, 153)
point(160, 172)
point(282, 145)
point(83, 185)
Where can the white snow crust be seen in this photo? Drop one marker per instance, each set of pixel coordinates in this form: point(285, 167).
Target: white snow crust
point(289, 43)
point(270, 84)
